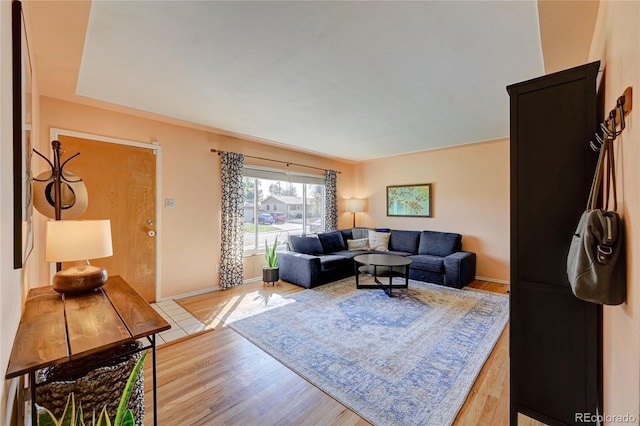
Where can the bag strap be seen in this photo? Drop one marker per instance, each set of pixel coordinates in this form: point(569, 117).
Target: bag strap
point(605, 176)
point(611, 181)
point(597, 177)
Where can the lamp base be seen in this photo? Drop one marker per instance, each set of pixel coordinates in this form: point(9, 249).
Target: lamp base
point(79, 278)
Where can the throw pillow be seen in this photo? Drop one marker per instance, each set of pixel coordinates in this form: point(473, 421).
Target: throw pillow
point(331, 241)
point(359, 244)
point(379, 241)
point(306, 245)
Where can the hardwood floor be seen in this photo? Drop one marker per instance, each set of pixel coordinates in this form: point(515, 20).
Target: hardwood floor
point(220, 378)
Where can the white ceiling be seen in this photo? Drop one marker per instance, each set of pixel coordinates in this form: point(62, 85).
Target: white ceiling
point(354, 80)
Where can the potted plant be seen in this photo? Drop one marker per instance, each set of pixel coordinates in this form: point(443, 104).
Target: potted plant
point(271, 271)
point(73, 414)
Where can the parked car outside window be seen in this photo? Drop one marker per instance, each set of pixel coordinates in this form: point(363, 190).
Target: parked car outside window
point(265, 218)
point(279, 217)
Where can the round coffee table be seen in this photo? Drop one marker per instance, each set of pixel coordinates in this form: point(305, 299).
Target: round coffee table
point(386, 262)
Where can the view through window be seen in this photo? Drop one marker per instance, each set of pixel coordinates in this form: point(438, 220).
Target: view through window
point(279, 204)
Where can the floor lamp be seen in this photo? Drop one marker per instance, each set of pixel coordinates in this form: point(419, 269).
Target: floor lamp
point(355, 205)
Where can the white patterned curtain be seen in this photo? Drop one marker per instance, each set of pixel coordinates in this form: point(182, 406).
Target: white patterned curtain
point(231, 266)
point(331, 200)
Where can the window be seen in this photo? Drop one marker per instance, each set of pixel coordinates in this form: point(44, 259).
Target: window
point(280, 204)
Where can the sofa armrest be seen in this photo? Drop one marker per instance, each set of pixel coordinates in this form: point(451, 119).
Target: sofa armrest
point(299, 268)
point(459, 269)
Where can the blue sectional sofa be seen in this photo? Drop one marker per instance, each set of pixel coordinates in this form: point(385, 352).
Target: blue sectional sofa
point(437, 257)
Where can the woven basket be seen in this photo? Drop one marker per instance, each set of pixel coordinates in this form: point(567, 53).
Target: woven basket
point(93, 388)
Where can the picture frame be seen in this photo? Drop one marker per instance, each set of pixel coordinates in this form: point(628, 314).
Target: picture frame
point(410, 200)
point(22, 144)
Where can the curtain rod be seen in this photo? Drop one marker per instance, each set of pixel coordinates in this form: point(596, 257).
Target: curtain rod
point(288, 163)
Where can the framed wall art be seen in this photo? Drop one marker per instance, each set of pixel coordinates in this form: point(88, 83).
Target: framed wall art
point(409, 200)
point(22, 144)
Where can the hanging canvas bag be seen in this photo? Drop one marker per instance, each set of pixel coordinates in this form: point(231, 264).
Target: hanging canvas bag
point(596, 265)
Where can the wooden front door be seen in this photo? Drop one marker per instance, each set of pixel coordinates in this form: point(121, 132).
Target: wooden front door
point(121, 183)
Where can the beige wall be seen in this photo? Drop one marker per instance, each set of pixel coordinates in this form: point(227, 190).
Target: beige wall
point(470, 191)
point(616, 42)
point(470, 197)
point(190, 175)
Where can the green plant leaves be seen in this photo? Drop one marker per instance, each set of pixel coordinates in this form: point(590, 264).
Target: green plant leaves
point(270, 254)
point(46, 418)
point(103, 420)
point(128, 419)
point(69, 415)
point(74, 417)
point(124, 399)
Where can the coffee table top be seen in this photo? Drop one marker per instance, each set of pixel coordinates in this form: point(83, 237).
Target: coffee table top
point(382, 259)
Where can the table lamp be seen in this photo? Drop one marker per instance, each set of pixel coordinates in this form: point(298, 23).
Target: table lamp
point(355, 205)
point(78, 241)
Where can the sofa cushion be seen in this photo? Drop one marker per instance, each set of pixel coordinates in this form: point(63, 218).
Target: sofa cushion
point(349, 254)
point(306, 245)
point(330, 262)
point(347, 234)
point(439, 243)
point(427, 262)
point(358, 233)
point(400, 253)
point(358, 245)
point(379, 241)
point(331, 241)
point(405, 241)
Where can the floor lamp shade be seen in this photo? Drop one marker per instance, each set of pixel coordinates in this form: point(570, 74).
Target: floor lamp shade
point(355, 205)
point(78, 241)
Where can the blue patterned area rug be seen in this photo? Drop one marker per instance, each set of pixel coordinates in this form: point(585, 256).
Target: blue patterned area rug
point(407, 360)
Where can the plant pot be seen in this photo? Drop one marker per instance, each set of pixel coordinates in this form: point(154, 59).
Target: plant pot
point(270, 275)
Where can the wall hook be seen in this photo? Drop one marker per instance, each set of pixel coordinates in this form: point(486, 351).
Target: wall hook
point(613, 126)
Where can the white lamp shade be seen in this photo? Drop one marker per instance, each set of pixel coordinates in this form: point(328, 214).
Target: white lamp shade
point(73, 240)
point(355, 205)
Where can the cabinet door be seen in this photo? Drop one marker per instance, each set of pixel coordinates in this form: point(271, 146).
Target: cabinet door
point(555, 339)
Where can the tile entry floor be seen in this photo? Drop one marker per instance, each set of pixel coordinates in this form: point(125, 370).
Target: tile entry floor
point(181, 321)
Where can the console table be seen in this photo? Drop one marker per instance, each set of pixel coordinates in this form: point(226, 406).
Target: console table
point(56, 328)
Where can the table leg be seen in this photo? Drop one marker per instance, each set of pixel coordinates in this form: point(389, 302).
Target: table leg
point(32, 386)
point(375, 277)
point(155, 382)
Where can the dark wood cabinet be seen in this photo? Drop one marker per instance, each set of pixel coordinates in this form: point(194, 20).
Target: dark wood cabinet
point(555, 338)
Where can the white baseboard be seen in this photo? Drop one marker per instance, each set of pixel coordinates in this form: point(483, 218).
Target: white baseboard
point(193, 293)
point(206, 290)
point(494, 280)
